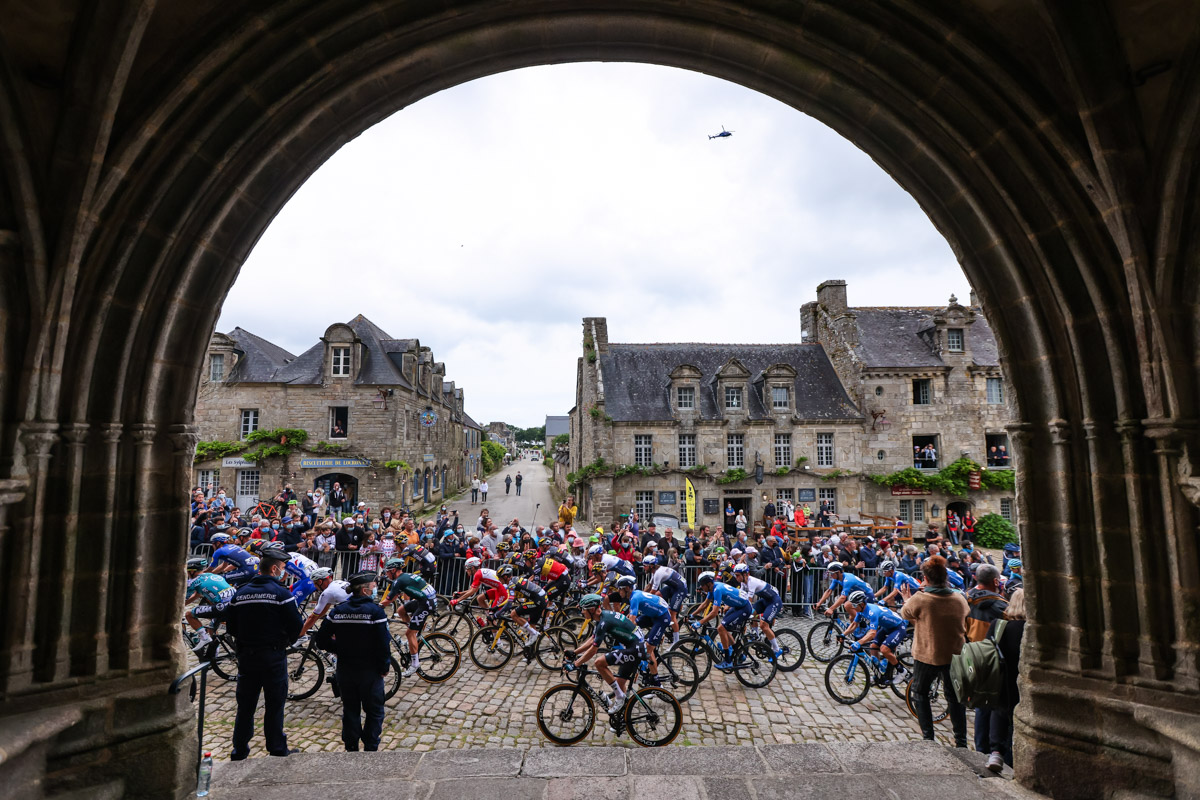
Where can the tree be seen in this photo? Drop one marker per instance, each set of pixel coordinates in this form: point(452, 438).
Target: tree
point(534, 435)
point(492, 456)
point(561, 439)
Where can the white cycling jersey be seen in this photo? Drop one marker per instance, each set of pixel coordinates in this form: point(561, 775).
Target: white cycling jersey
point(755, 585)
point(301, 564)
point(662, 574)
point(336, 592)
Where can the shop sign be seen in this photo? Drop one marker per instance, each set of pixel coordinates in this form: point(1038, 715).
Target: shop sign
point(237, 462)
point(974, 479)
point(666, 498)
point(908, 491)
point(332, 463)
point(427, 457)
point(806, 495)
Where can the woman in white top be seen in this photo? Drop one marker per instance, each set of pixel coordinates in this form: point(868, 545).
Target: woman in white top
point(740, 522)
point(483, 487)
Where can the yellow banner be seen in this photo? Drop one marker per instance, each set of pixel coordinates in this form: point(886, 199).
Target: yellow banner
point(690, 501)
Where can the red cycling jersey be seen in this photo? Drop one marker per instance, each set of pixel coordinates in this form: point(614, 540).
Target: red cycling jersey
point(496, 593)
point(553, 570)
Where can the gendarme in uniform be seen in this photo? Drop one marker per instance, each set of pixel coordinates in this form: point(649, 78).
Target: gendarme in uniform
point(263, 620)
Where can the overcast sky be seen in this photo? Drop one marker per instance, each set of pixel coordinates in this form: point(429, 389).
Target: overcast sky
point(489, 219)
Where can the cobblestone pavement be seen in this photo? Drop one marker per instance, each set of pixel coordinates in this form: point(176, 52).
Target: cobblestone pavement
point(497, 709)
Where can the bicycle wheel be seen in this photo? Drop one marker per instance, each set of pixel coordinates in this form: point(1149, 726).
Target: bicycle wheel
point(696, 649)
point(458, 624)
point(550, 650)
point(223, 658)
point(848, 679)
point(824, 642)
point(937, 700)
point(440, 657)
point(794, 650)
point(756, 669)
point(305, 673)
point(900, 687)
point(677, 674)
point(488, 650)
point(653, 717)
point(565, 715)
point(392, 681)
point(904, 651)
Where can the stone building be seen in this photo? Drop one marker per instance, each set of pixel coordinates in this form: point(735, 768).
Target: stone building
point(503, 434)
point(869, 392)
point(556, 426)
point(926, 379)
point(363, 398)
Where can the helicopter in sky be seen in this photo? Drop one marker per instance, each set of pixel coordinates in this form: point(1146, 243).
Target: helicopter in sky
point(723, 134)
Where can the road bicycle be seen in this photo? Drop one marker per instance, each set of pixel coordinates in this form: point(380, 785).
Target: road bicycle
point(439, 653)
point(221, 652)
point(937, 699)
point(492, 645)
point(677, 673)
point(850, 676)
point(753, 664)
point(791, 645)
point(308, 666)
point(827, 640)
point(566, 713)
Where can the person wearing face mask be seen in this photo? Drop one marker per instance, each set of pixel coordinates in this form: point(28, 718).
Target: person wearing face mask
point(308, 508)
point(292, 533)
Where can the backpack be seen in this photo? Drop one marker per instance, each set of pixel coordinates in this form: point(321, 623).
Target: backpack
point(977, 673)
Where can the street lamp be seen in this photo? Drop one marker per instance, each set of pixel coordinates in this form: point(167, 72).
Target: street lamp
point(935, 509)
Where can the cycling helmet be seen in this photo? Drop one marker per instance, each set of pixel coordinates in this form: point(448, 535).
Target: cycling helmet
point(597, 568)
point(530, 555)
point(887, 565)
point(256, 545)
point(650, 561)
point(595, 550)
point(1011, 547)
point(626, 582)
point(273, 550)
point(472, 563)
point(705, 576)
point(505, 572)
point(219, 539)
point(590, 601)
point(725, 573)
point(211, 587)
point(409, 550)
point(857, 598)
point(1014, 563)
point(244, 532)
point(502, 547)
point(834, 567)
point(196, 563)
point(719, 550)
point(742, 568)
point(320, 574)
point(395, 563)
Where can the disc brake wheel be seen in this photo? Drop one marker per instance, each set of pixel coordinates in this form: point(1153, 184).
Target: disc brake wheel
point(653, 717)
point(695, 648)
point(488, 650)
point(848, 679)
point(937, 699)
point(224, 659)
point(823, 642)
point(305, 673)
point(391, 681)
point(793, 647)
point(565, 715)
point(440, 657)
point(677, 674)
point(757, 669)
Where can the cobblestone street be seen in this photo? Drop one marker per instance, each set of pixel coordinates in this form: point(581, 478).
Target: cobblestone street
point(497, 709)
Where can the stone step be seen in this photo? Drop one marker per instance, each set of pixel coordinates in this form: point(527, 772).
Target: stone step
point(113, 790)
point(844, 771)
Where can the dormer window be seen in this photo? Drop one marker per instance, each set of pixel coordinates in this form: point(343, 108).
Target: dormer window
point(341, 362)
point(780, 400)
point(954, 340)
point(733, 397)
point(685, 398)
point(216, 367)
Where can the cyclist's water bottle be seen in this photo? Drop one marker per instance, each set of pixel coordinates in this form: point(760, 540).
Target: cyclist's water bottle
point(205, 776)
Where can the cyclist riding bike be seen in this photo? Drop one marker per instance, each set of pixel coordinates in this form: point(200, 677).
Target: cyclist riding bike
point(302, 567)
point(556, 575)
point(611, 563)
point(485, 580)
point(332, 593)
point(724, 595)
point(668, 584)
point(420, 559)
point(651, 613)
point(893, 582)
point(766, 600)
point(528, 605)
point(422, 601)
point(885, 629)
point(627, 651)
point(840, 587)
point(214, 594)
point(231, 562)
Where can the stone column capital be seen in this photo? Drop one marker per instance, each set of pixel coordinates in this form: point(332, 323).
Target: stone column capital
point(12, 490)
point(144, 433)
point(185, 438)
point(110, 432)
point(1060, 431)
point(38, 437)
point(76, 433)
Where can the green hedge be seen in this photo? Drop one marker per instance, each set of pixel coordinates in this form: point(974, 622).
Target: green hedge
point(994, 531)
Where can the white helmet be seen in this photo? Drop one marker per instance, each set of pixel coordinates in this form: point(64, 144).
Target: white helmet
point(742, 568)
point(651, 560)
point(595, 550)
point(706, 576)
point(472, 563)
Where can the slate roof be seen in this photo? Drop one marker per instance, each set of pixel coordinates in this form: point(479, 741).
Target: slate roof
point(470, 423)
point(557, 425)
point(637, 379)
point(260, 359)
point(901, 337)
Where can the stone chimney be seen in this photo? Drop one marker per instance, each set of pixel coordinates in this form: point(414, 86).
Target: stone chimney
point(595, 329)
point(832, 295)
point(974, 299)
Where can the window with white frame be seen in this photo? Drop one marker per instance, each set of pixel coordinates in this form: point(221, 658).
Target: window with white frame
point(781, 495)
point(341, 362)
point(995, 391)
point(783, 450)
point(216, 367)
point(642, 453)
point(206, 479)
point(824, 449)
point(735, 450)
point(687, 450)
point(733, 397)
point(829, 495)
point(643, 505)
point(954, 340)
point(1006, 508)
point(248, 480)
point(779, 398)
point(249, 421)
point(685, 398)
point(922, 392)
point(912, 511)
point(339, 422)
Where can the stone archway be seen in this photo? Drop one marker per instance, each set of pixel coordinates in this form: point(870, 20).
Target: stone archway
point(125, 222)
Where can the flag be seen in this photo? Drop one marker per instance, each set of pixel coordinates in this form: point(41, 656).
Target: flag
point(690, 502)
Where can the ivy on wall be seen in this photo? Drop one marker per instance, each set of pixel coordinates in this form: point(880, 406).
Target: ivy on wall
point(953, 480)
point(263, 444)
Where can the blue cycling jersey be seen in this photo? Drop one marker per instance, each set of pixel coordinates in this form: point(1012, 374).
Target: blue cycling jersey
point(230, 554)
point(956, 580)
point(879, 618)
point(899, 580)
point(853, 583)
point(725, 595)
point(649, 606)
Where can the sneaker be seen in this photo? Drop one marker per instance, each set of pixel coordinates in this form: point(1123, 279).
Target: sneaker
point(412, 670)
point(995, 762)
point(724, 666)
point(203, 640)
point(614, 705)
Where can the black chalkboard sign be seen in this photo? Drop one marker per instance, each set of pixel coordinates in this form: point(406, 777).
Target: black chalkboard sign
point(806, 495)
point(712, 505)
point(666, 498)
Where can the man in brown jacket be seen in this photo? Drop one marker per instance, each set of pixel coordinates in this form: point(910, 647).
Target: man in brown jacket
point(939, 615)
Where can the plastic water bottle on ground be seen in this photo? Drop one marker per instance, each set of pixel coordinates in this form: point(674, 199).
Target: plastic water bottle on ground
point(205, 778)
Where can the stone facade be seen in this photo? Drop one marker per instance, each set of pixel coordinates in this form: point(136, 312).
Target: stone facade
point(360, 395)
